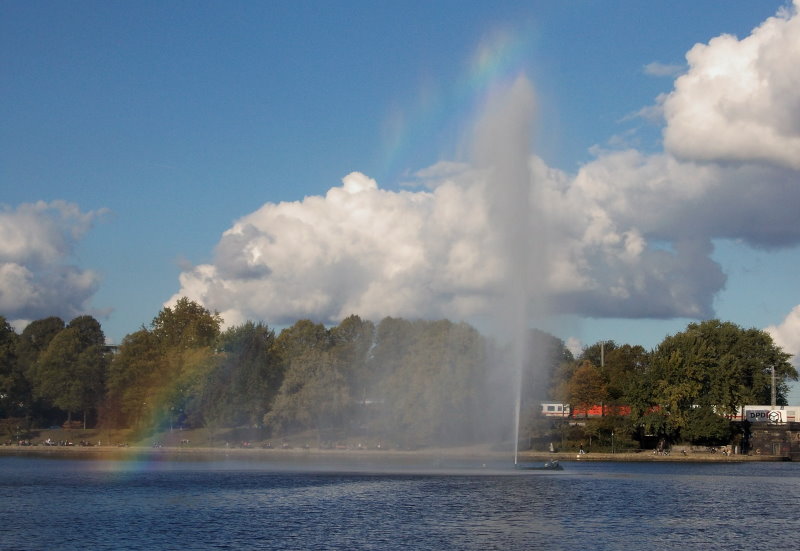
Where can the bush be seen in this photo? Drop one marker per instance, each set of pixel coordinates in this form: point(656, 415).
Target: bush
point(706, 428)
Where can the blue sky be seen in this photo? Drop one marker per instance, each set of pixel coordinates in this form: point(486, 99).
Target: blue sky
point(207, 141)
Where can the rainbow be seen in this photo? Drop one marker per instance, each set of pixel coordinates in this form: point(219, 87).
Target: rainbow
point(440, 112)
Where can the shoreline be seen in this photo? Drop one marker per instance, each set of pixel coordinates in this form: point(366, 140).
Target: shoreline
point(176, 453)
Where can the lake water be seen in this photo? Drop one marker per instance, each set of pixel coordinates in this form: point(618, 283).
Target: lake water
point(144, 505)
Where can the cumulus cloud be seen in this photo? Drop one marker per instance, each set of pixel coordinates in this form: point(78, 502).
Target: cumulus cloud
point(361, 249)
point(358, 249)
point(37, 241)
point(628, 235)
point(738, 101)
point(787, 334)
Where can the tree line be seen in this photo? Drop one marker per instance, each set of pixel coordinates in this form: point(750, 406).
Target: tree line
point(405, 382)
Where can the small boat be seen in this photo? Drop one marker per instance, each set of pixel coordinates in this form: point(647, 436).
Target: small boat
point(549, 466)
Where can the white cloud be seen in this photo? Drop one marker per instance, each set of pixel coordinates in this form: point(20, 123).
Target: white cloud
point(658, 69)
point(787, 334)
point(738, 102)
point(37, 241)
point(629, 235)
point(358, 249)
point(361, 249)
point(574, 345)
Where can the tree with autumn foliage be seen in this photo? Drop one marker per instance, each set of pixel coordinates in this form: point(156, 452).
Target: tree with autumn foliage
point(586, 387)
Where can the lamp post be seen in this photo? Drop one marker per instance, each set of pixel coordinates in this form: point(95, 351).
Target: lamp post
point(612, 440)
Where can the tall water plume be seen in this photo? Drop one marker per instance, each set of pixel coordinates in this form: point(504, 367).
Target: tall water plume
point(502, 149)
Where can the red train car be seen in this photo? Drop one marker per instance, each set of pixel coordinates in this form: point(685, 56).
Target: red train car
point(557, 410)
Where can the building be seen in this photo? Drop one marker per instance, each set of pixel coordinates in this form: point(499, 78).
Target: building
point(771, 431)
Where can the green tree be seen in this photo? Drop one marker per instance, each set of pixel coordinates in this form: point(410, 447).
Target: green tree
point(32, 342)
point(298, 339)
point(412, 382)
point(705, 427)
point(186, 334)
point(598, 353)
point(159, 374)
point(619, 366)
point(70, 372)
point(181, 382)
point(13, 387)
point(240, 388)
point(314, 391)
point(36, 337)
point(89, 332)
point(717, 366)
point(646, 417)
point(351, 342)
point(186, 325)
point(622, 366)
point(314, 394)
point(132, 374)
point(433, 381)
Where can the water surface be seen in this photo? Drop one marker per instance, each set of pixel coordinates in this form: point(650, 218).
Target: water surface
point(137, 505)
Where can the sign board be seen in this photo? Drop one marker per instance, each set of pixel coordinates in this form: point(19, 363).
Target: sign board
point(765, 416)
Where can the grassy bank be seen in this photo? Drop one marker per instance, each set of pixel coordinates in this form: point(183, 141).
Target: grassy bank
point(476, 454)
point(252, 444)
point(647, 456)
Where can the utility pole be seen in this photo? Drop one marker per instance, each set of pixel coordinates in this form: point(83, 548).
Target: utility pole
point(602, 367)
point(774, 392)
point(602, 354)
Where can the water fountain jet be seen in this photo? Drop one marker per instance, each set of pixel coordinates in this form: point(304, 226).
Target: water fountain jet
point(502, 149)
